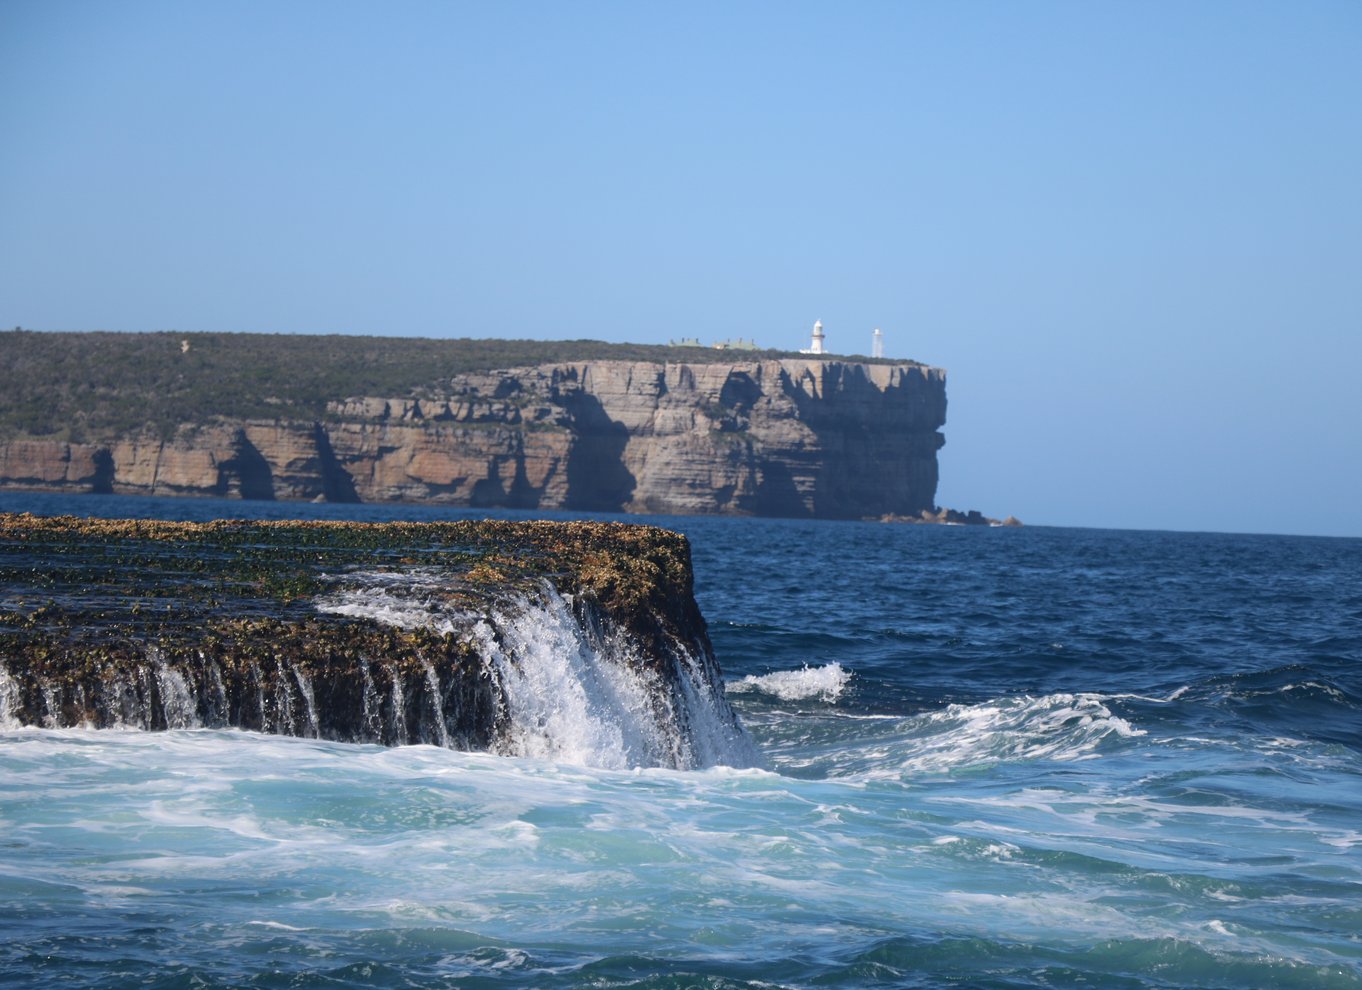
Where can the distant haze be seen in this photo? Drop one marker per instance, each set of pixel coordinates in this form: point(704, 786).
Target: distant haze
point(1132, 233)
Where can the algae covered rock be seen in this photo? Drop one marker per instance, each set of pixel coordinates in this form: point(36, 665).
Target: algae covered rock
point(566, 640)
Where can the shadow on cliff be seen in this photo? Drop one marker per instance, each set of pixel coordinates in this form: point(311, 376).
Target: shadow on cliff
point(337, 484)
point(102, 481)
point(890, 469)
point(777, 494)
point(597, 480)
point(773, 490)
point(491, 491)
point(246, 472)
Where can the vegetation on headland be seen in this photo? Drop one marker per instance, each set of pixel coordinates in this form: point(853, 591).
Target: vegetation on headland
point(91, 387)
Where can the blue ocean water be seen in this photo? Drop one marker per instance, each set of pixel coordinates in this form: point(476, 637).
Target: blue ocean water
point(992, 758)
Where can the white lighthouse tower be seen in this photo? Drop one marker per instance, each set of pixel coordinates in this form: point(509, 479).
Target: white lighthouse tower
point(877, 344)
point(816, 345)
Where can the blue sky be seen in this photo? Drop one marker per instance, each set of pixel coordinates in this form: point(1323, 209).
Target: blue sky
point(1132, 232)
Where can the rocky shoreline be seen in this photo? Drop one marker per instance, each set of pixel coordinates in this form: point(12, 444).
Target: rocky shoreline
point(362, 632)
point(951, 517)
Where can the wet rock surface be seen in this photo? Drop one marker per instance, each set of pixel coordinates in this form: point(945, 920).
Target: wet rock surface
point(368, 632)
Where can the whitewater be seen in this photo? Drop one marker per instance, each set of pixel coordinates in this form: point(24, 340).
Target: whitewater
point(971, 757)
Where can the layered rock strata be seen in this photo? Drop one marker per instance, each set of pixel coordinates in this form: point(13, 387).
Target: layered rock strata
point(390, 633)
point(821, 438)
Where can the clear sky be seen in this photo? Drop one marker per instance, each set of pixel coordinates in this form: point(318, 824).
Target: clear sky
point(1132, 232)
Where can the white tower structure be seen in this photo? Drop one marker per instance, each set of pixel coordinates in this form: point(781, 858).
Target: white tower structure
point(816, 347)
point(877, 344)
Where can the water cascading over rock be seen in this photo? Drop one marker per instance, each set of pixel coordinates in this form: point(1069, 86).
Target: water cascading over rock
point(573, 642)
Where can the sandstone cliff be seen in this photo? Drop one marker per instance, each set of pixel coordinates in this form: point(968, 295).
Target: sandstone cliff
point(787, 437)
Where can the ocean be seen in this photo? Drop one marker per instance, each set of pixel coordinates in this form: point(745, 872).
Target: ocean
point(986, 757)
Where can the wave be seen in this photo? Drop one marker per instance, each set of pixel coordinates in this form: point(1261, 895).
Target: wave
point(580, 695)
point(1299, 701)
point(571, 690)
point(958, 737)
point(1213, 958)
point(824, 683)
point(1023, 728)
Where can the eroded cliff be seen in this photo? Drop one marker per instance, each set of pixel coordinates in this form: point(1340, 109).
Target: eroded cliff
point(787, 437)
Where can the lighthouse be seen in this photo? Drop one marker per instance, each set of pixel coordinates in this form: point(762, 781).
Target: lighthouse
point(877, 344)
point(816, 346)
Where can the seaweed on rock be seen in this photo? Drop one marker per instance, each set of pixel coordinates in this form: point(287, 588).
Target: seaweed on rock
point(389, 633)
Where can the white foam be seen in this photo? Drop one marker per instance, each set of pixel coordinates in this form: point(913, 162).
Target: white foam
point(9, 701)
point(1344, 840)
point(309, 701)
point(588, 701)
point(433, 687)
point(1051, 727)
point(825, 683)
point(178, 703)
point(407, 599)
point(571, 695)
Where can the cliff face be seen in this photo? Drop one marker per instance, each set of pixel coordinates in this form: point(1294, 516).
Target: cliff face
point(774, 437)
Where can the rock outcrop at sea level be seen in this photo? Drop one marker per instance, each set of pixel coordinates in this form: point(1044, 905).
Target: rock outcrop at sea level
point(571, 641)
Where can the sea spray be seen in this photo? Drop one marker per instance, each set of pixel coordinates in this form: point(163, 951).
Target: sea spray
point(309, 702)
point(262, 711)
point(9, 701)
point(577, 698)
point(1021, 729)
point(397, 710)
point(824, 683)
point(572, 688)
point(717, 735)
point(179, 705)
point(113, 701)
point(283, 723)
point(436, 704)
point(216, 707)
point(371, 718)
point(51, 705)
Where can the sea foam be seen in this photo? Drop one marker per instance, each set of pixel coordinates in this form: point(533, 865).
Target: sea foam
point(824, 683)
point(1056, 727)
point(572, 691)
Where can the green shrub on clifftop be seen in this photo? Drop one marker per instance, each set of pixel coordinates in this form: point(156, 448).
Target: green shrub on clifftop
point(94, 386)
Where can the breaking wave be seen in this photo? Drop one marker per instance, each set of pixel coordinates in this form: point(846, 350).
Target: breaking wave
point(840, 744)
point(824, 683)
point(579, 695)
point(572, 691)
point(1023, 728)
